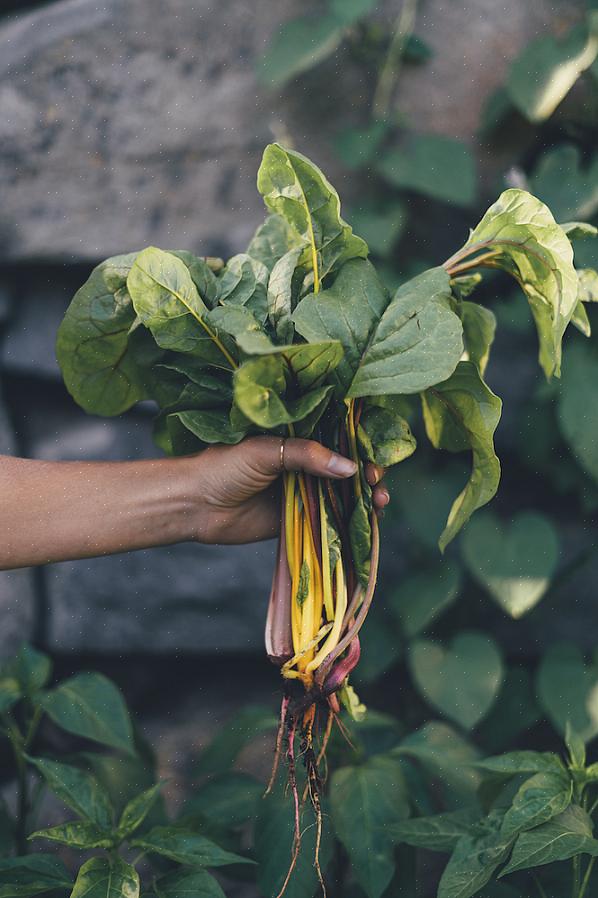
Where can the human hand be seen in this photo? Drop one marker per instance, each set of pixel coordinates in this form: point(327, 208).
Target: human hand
point(240, 493)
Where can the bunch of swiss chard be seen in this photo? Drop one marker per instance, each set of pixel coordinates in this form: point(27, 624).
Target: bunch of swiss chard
point(299, 336)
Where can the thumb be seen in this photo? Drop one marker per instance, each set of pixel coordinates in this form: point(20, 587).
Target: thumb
point(313, 458)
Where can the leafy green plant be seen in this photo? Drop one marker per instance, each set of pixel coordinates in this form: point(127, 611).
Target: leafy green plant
point(117, 808)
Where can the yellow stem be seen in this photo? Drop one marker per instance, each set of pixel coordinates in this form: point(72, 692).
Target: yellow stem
point(339, 613)
point(297, 555)
point(326, 578)
point(352, 433)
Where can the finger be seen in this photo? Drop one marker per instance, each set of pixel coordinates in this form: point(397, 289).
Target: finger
point(313, 458)
point(380, 496)
point(373, 473)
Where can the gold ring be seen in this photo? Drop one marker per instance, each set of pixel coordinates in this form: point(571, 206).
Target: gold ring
point(282, 442)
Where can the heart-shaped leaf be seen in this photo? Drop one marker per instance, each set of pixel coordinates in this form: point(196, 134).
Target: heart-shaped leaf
point(514, 562)
point(568, 691)
point(420, 598)
point(461, 680)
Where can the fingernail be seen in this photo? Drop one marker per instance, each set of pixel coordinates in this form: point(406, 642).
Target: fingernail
point(385, 495)
point(341, 466)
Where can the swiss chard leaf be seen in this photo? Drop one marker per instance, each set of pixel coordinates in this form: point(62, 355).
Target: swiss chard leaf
point(272, 240)
point(280, 295)
point(244, 282)
point(479, 327)
point(385, 436)
point(463, 413)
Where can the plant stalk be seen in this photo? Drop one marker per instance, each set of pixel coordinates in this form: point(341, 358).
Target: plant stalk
point(389, 72)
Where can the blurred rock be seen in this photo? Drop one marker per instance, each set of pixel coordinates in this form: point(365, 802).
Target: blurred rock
point(28, 344)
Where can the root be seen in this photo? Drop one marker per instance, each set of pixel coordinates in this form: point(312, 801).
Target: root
point(284, 708)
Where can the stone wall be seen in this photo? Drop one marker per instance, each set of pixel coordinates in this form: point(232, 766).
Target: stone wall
point(134, 122)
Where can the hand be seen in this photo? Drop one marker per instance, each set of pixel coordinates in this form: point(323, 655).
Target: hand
point(240, 492)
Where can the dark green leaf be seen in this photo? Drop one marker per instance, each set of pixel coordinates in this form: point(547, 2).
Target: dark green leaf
point(474, 860)
point(514, 562)
point(186, 847)
point(439, 833)
point(538, 800)
point(210, 425)
point(230, 799)
point(78, 790)
point(358, 146)
point(434, 165)
point(380, 224)
point(22, 877)
point(463, 413)
point(366, 800)
point(103, 877)
point(188, 884)
point(564, 837)
point(447, 758)
point(77, 834)
point(568, 690)
point(515, 762)
point(10, 693)
point(350, 11)
point(515, 711)
point(462, 680)
point(577, 410)
point(567, 186)
point(299, 45)
point(421, 597)
point(32, 669)
point(226, 746)
point(137, 809)
point(385, 436)
point(90, 705)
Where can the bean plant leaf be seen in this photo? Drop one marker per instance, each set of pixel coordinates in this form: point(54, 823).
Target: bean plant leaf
point(94, 346)
point(564, 837)
point(222, 752)
point(417, 342)
point(358, 146)
point(188, 884)
point(461, 680)
point(228, 800)
point(10, 692)
point(77, 789)
point(296, 189)
point(30, 668)
point(538, 800)
point(33, 874)
point(447, 759)
point(525, 241)
point(434, 165)
point(568, 690)
point(365, 800)
point(577, 410)
point(186, 847)
point(77, 834)
point(438, 833)
point(103, 877)
point(299, 45)
point(421, 597)
point(462, 413)
point(474, 860)
point(514, 562)
point(479, 327)
point(542, 76)
point(90, 705)
point(137, 809)
point(568, 186)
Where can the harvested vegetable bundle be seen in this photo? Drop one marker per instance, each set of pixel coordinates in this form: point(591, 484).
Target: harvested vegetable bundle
point(300, 336)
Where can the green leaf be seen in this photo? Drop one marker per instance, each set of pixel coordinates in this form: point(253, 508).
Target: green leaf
point(94, 347)
point(358, 146)
point(542, 76)
point(462, 680)
point(514, 562)
point(222, 752)
point(102, 877)
point(566, 184)
point(169, 305)
point(350, 11)
point(577, 410)
point(380, 224)
point(416, 343)
point(347, 311)
point(230, 799)
point(439, 833)
point(474, 860)
point(90, 705)
point(564, 837)
point(462, 413)
point(79, 791)
point(34, 874)
point(365, 800)
point(274, 848)
point(186, 847)
point(525, 241)
point(515, 711)
point(10, 693)
point(188, 884)
point(31, 669)
point(77, 834)
point(479, 327)
point(210, 425)
point(420, 598)
point(580, 319)
point(280, 299)
point(137, 809)
point(296, 189)
point(587, 285)
point(244, 282)
point(447, 758)
point(385, 436)
point(515, 762)
point(579, 230)
point(538, 800)
point(298, 46)
point(576, 747)
point(202, 276)
point(568, 690)
point(272, 240)
point(360, 536)
point(434, 165)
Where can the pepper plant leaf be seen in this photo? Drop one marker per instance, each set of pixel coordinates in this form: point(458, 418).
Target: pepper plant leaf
point(564, 837)
point(475, 859)
point(463, 413)
point(186, 847)
point(538, 799)
point(188, 884)
point(32, 874)
point(77, 834)
point(103, 877)
point(438, 833)
point(77, 789)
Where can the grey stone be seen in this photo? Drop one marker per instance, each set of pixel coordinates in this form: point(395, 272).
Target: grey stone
point(186, 598)
point(28, 344)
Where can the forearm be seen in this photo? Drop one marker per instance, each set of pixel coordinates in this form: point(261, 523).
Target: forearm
point(53, 511)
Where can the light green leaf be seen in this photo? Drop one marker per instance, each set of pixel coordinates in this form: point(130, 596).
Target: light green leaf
point(296, 189)
point(34, 874)
point(474, 860)
point(272, 240)
point(90, 705)
point(579, 230)
point(538, 800)
point(365, 800)
point(280, 299)
point(447, 758)
point(10, 693)
point(580, 319)
point(137, 809)
point(298, 46)
point(542, 76)
point(417, 342)
point(94, 346)
point(169, 305)
point(77, 834)
point(463, 413)
point(565, 836)
point(435, 165)
point(80, 791)
point(350, 11)
point(202, 276)
point(244, 282)
point(230, 799)
point(515, 762)
point(347, 311)
point(576, 748)
point(461, 680)
point(420, 598)
point(566, 184)
point(525, 241)
point(222, 752)
point(188, 884)
point(186, 847)
point(588, 285)
point(568, 690)
point(438, 833)
point(514, 562)
point(210, 425)
point(479, 327)
point(385, 436)
point(577, 409)
point(102, 877)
